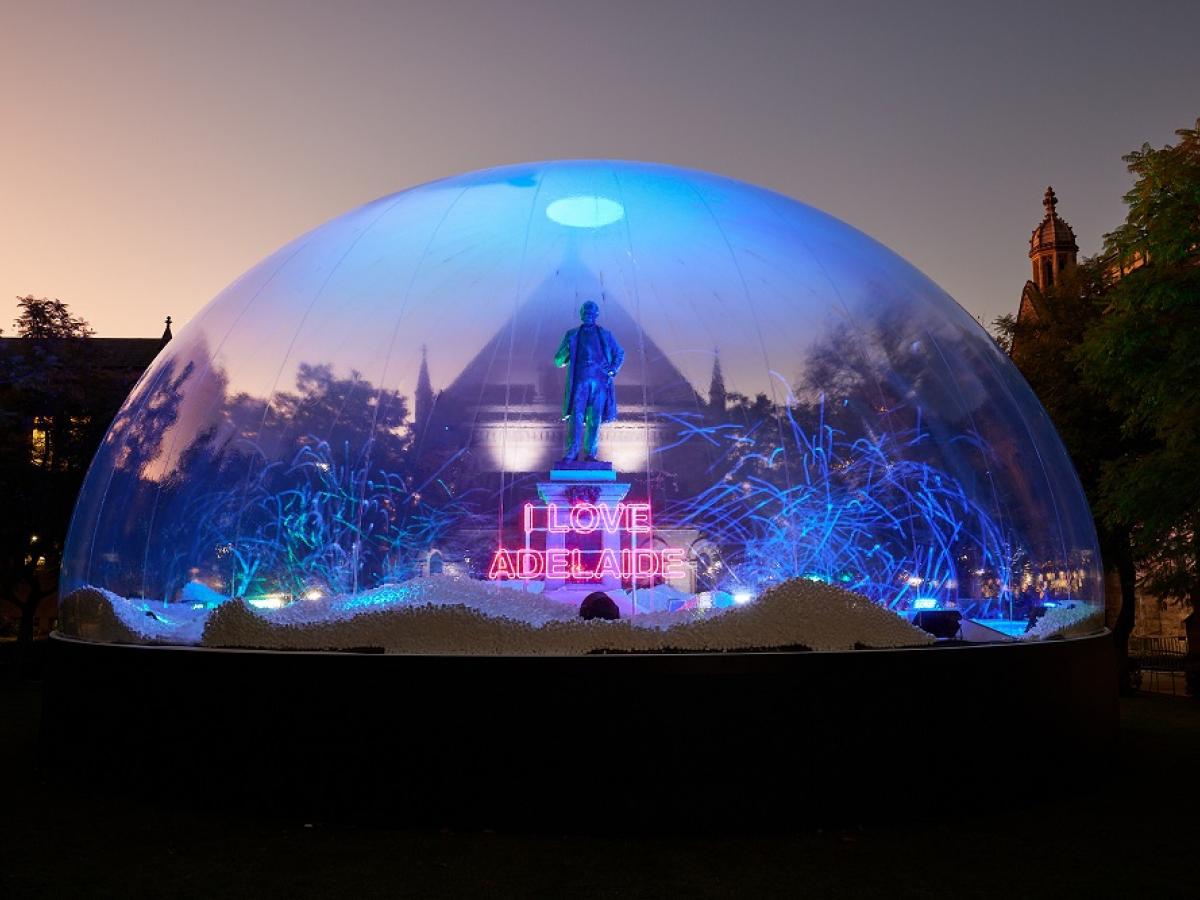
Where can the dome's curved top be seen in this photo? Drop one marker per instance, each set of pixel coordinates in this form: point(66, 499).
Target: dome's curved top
point(377, 402)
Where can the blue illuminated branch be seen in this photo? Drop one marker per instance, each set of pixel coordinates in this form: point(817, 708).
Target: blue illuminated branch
point(812, 503)
point(322, 523)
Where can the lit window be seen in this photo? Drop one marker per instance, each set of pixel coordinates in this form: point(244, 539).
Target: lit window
point(39, 441)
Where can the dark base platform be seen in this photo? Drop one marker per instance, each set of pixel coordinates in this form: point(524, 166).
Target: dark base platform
point(731, 741)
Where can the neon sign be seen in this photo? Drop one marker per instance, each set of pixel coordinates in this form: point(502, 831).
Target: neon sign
point(577, 564)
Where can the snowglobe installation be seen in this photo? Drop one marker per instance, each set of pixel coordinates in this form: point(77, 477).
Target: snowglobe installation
point(486, 399)
point(546, 480)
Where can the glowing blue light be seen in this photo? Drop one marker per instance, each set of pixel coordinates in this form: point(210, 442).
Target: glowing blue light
point(582, 211)
point(925, 603)
point(383, 597)
point(579, 475)
point(268, 601)
point(1010, 627)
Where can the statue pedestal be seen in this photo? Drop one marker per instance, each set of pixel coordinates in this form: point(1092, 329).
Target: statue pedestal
point(572, 483)
point(577, 471)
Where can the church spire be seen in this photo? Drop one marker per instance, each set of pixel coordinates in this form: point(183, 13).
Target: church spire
point(166, 335)
point(716, 387)
point(1049, 201)
point(423, 395)
point(1053, 250)
point(1052, 246)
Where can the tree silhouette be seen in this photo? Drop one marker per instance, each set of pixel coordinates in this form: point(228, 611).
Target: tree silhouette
point(1143, 354)
point(41, 318)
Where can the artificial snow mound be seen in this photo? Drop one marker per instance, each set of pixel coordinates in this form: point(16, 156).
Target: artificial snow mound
point(95, 614)
point(447, 615)
point(1065, 622)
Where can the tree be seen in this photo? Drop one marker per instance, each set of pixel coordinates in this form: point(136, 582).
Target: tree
point(41, 318)
point(1143, 353)
point(319, 487)
point(1046, 355)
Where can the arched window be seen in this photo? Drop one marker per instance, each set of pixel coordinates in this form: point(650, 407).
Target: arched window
point(1047, 273)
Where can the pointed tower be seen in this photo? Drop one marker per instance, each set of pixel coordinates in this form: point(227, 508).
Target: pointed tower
point(1053, 250)
point(423, 395)
point(716, 387)
point(166, 335)
point(1052, 246)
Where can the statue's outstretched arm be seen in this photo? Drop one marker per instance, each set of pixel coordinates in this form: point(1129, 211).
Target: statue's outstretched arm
point(564, 351)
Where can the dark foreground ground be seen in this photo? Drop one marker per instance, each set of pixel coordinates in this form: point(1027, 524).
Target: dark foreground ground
point(1136, 836)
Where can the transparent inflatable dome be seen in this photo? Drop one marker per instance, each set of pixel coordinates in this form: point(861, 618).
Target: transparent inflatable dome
point(376, 417)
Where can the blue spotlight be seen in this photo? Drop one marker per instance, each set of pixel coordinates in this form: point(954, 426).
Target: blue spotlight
point(583, 211)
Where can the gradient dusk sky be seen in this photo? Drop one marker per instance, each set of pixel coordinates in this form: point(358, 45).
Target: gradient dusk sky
point(154, 151)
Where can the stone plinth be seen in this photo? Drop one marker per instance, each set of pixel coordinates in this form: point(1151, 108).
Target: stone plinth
point(567, 487)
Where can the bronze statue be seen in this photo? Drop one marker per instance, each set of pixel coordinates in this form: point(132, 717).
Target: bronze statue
point(592, 357)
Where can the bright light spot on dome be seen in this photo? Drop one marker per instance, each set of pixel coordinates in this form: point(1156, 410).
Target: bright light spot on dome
point(925, 603)
point(741, 599)
point(583, 211)
point(267, 601)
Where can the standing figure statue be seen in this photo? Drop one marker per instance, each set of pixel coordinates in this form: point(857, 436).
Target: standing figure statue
point(592, 357)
